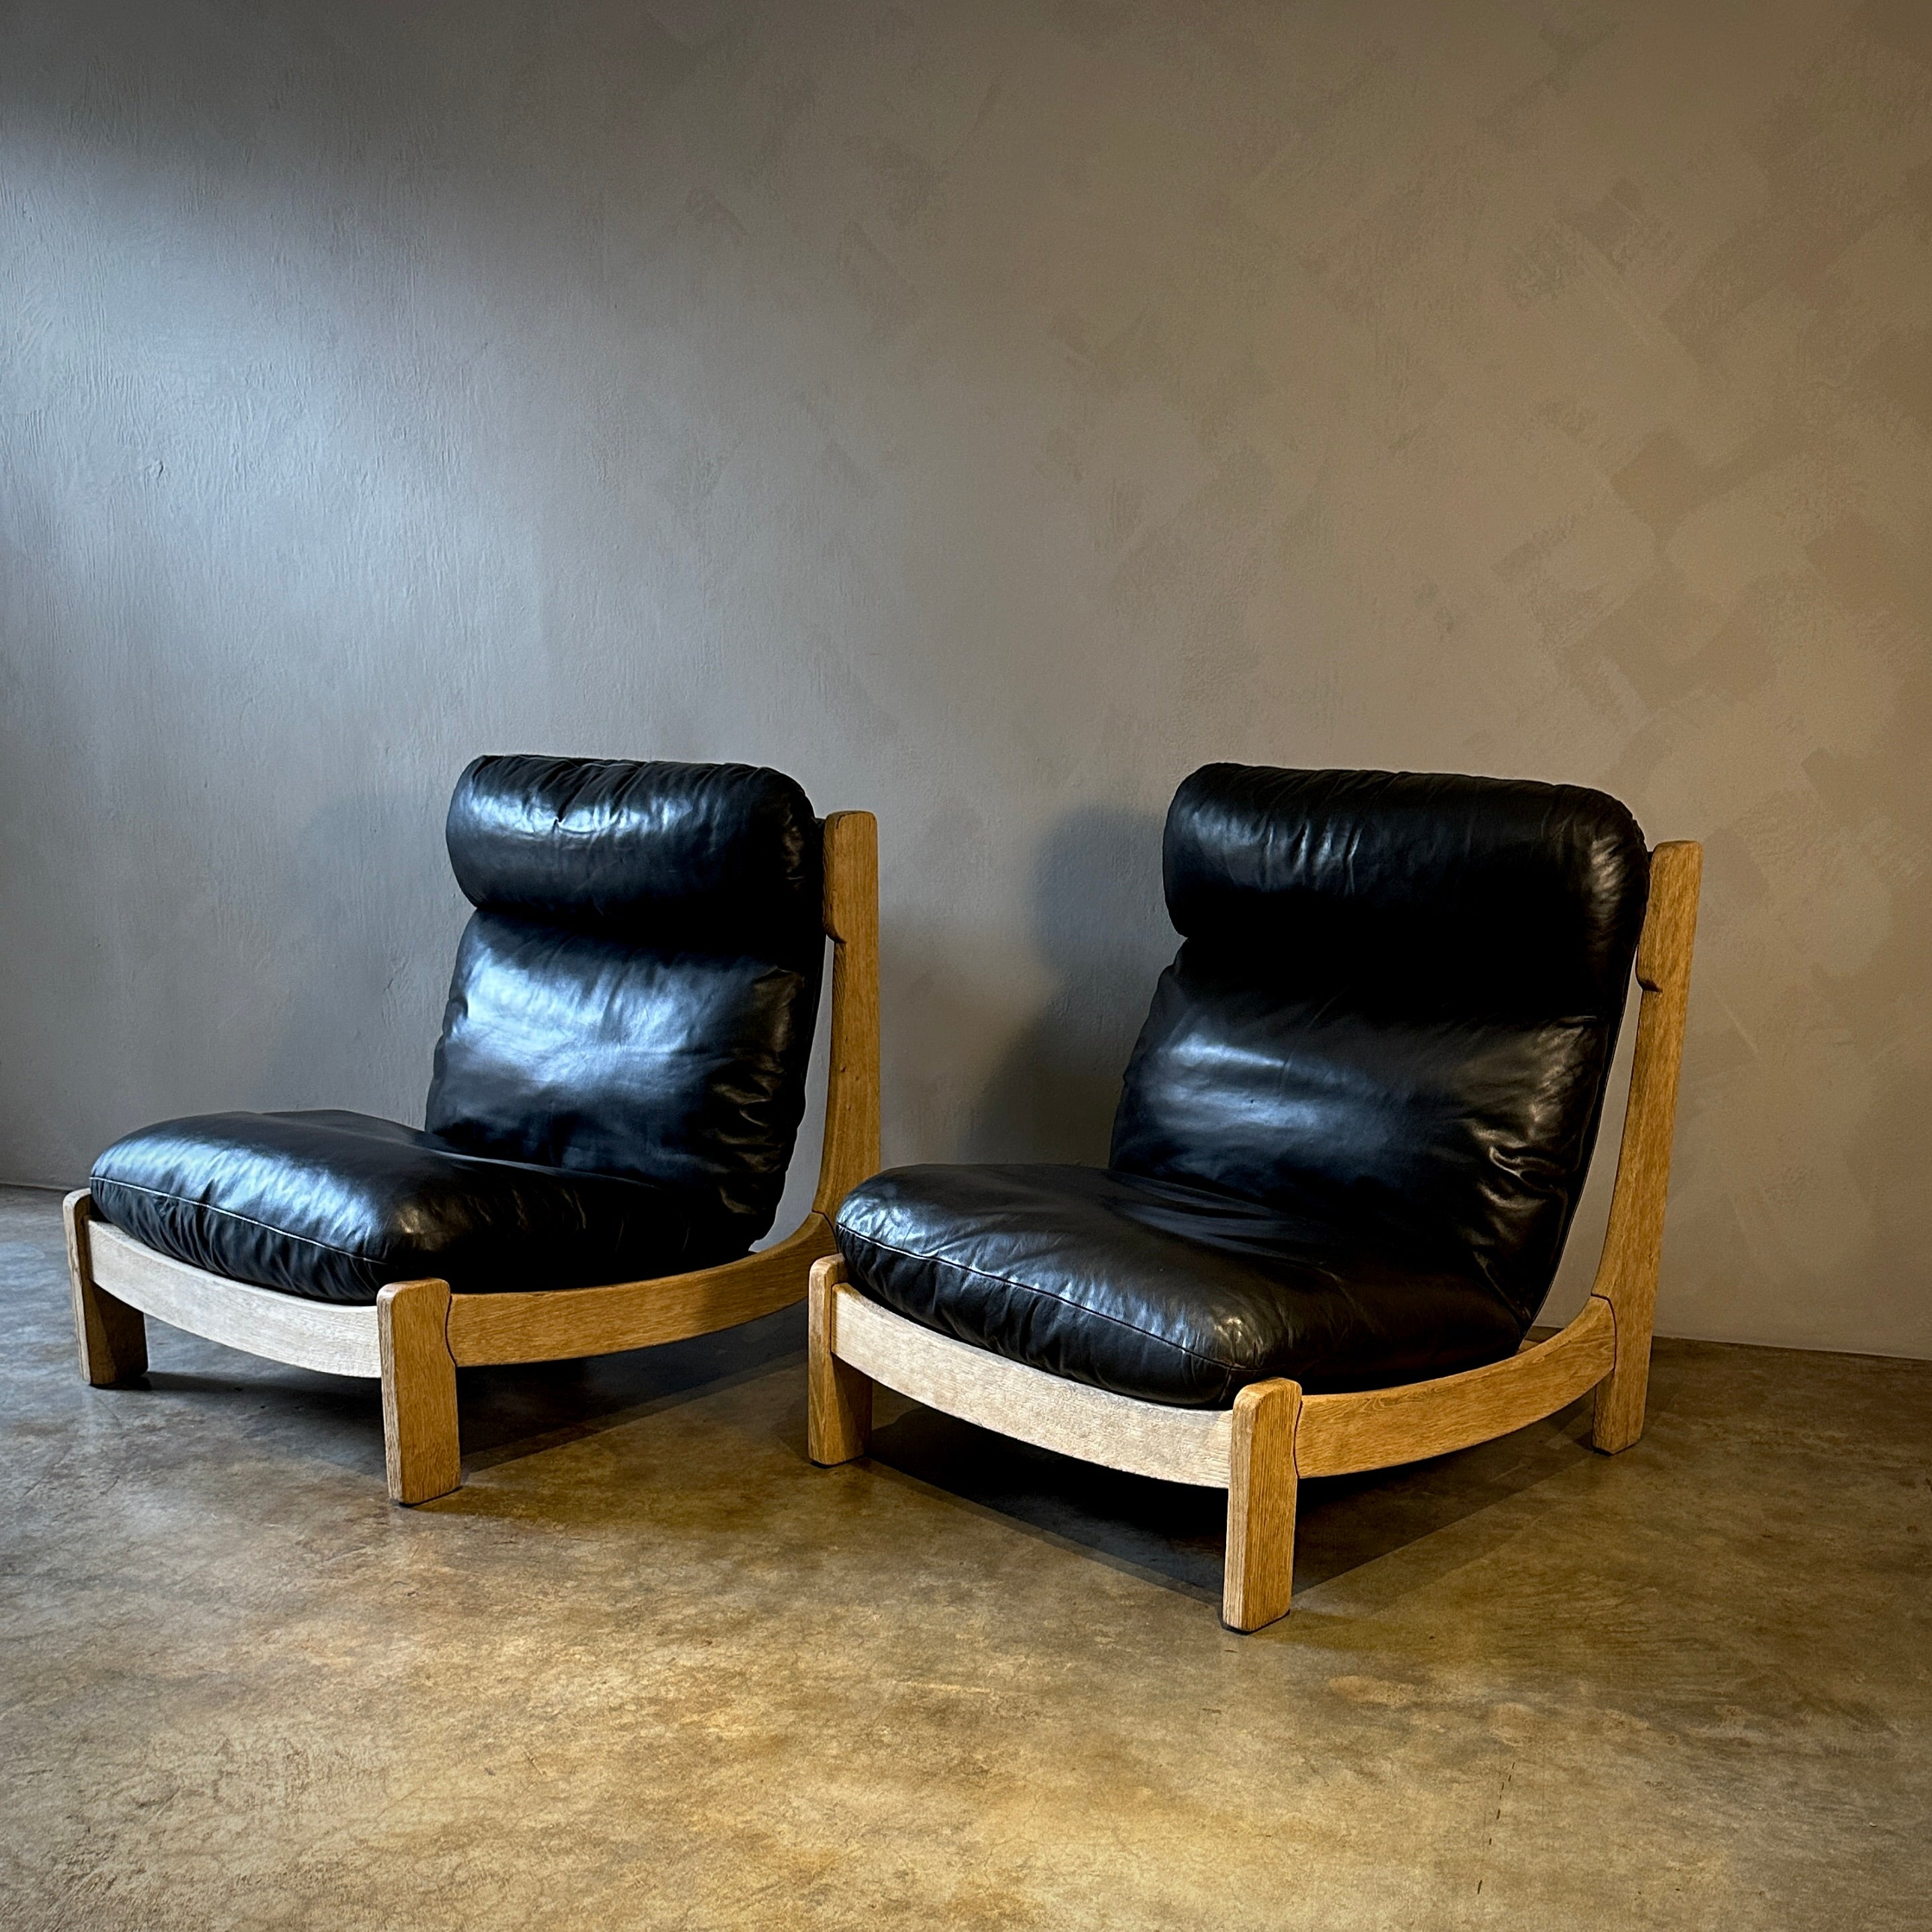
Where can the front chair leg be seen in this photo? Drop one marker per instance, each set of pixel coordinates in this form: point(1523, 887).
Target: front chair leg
point(419, 1435)
point(1262, 1481)
point(838, 1421)
point(112, 1337)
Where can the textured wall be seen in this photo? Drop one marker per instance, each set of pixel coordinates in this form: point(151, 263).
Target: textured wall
point(987, 411)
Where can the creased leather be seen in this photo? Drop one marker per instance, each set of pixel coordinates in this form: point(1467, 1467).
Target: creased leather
point(622, 1071)
point(332, 1206)
point(1458, 894)
point(1383, 1047)
point(1170, 1293)
point(596, 1055)
point(726, 857)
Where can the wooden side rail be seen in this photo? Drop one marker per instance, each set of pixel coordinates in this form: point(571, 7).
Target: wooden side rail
point(1342, 1434)
point(336, 1339)
point(1274, 1436)
point(1177, 1445)
point(549, 1324)
point(417, 1333)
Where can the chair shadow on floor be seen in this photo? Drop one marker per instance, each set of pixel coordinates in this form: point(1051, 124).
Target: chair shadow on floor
point(1174, 1535)
point(509, 1413)
point(1166, 1534)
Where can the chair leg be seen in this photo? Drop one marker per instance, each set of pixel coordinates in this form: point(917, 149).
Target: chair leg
point(420, 1445)
point(112, 1337)
point(839, 1398)
point(1624, 1394)
point(1262, 1481)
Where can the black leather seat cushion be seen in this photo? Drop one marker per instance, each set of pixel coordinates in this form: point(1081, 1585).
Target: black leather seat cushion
point(1354, 1131)
point(1170, 1293)
point(334, 1206)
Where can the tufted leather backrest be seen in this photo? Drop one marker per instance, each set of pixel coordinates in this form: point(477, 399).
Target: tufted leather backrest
point(636, 992)
point(1399, 997)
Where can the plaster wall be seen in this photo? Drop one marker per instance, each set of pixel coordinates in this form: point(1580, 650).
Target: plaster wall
point(987, 410)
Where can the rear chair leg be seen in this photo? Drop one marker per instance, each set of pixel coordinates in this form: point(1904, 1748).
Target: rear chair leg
point(839, 1399)
point(1262, 1486)
point(112, 1337)
point(1624, 1394)
point(419, 1435)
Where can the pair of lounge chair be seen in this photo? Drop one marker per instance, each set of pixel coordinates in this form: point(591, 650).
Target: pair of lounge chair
point(1350, 1142)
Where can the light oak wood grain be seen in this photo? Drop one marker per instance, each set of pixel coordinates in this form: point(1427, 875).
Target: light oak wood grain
point(839, 1404)
point(1341, 1434)
point(550, 1323)
point(337, 1340)
point(1178, 1445)
point(111, 1337)
point(1258, 1578)
point(851, 1148)
point(1634, 1244)
point(421, 1450)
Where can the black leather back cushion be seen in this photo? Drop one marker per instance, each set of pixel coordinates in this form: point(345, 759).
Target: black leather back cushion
point(1399, 991)
point(636, 994)
point(728, 854)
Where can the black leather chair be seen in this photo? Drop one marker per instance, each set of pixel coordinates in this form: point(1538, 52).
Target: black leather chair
point(619, 1082)
point(1350, 1142)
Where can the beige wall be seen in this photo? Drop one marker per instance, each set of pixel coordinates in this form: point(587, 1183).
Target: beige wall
point(987, 412)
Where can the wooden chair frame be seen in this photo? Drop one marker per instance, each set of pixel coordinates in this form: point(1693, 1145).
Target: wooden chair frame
point(1274, 1435)
point(417, 1333)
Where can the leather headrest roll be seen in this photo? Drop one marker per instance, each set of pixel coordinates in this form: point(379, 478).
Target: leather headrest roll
point(1506, 890)
point(709, 855)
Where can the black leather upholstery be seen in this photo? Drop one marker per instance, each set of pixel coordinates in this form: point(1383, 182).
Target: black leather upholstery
point(727, 857)
point(600, 1019)
point(621, 1074)
point(333, 1206)
point(1170, 1293)
point(1382, 1047)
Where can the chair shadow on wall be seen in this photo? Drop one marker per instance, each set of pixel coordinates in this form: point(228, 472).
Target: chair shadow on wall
point(1099, 926)
point(1099, 923)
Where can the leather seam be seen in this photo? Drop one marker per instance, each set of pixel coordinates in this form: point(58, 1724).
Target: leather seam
point(248, 1220)
point(1047, 1293)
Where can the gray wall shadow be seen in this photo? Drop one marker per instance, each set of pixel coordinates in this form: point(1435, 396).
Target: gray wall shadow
point(1100, 923)
point(373, 916)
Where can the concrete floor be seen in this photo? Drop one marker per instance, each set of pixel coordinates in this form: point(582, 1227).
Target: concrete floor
point(650, 1668)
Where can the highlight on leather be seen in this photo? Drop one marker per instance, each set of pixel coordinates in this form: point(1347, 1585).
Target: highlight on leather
point(701, 853)
point(1481, 889)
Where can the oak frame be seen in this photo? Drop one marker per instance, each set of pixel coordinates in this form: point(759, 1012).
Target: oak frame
point(1274, 1435)
point(417, 1333)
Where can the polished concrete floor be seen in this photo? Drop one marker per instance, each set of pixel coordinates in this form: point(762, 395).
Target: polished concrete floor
point(649, 1668)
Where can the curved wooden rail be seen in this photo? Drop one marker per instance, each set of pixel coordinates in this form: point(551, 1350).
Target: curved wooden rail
point(548, 1324)
point(1340, 1435)
point(338, 1340)
point(1336, 1434)
point(1177, 1445)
